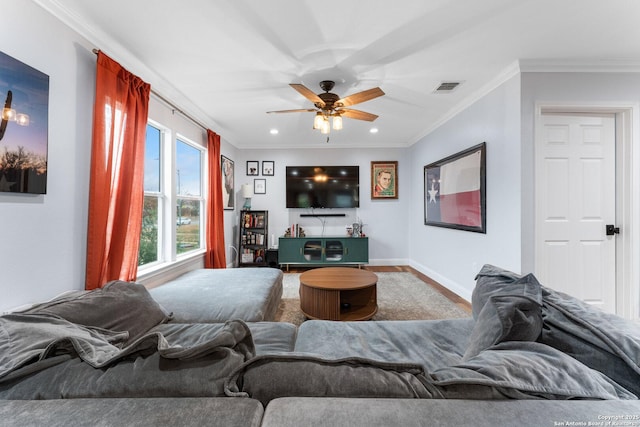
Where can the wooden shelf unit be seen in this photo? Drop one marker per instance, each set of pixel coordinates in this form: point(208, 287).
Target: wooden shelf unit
point(253, 236)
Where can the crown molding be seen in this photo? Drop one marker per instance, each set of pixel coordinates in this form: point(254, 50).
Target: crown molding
point(579, 66)
point(512, 70)
point(102, 41)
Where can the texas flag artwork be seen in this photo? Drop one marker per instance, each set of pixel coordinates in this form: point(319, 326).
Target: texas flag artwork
point(454, 191)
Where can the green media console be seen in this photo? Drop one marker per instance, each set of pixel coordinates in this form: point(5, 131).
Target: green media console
point(323, 250)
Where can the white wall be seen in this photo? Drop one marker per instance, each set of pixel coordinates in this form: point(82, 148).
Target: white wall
point(595, 89)
point(384, 220)
point(600, 91)
point(44, 236)
point(453, 257)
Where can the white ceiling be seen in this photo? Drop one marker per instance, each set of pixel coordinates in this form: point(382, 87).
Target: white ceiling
point(227, 62)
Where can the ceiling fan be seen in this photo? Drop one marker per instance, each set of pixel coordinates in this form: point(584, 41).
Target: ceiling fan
point(329, 105)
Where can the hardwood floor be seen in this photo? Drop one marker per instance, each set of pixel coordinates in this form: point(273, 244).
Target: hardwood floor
point(454, 298)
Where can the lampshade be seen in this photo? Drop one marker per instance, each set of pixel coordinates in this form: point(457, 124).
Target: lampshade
point(247, 191)
point(8, 114)
point(317, 120)
point(325, 127)
point(337, 122)
point(22, 119)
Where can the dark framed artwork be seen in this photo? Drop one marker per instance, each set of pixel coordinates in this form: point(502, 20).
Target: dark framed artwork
point(24, 92)
point(253, 168)
point(384, 180)
point(260, 186)
point(455, 191)
point(228, 188)
point(268, 167)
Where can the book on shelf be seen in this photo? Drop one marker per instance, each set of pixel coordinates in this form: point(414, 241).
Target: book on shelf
point(252, 256)
point(247, 256)
point(254, 220)
point(253, 238)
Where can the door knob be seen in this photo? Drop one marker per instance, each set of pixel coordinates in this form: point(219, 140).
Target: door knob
point(612, 229)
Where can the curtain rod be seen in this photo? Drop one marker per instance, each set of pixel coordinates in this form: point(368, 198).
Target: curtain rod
point(174, 108)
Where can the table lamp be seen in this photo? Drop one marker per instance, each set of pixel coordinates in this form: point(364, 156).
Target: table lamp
point(247, 193)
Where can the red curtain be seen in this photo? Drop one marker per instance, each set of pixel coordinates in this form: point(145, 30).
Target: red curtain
point(116, 188)
point(215, 255)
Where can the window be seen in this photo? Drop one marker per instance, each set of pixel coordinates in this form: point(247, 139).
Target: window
point(149, 236)
point(172, 220)
point(188, 197)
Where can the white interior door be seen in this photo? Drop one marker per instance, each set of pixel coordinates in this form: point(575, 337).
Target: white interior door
point(575, 201)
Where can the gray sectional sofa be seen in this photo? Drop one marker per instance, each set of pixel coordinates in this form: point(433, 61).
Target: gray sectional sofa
point(125, 356)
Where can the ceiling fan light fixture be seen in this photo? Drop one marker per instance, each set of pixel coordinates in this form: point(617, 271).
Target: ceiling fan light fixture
point(22, 119)
point(337, 122)
point(317, 120)
point(329, 106)
point(8, 114)
point(325, 128)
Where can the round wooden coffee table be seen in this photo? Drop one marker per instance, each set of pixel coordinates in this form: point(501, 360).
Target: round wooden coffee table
point(338, 293)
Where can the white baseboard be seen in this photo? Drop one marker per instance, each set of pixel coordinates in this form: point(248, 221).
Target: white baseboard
point(454, 287)
point(386, 261)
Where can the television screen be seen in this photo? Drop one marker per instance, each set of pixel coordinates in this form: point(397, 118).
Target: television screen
point(323, 186)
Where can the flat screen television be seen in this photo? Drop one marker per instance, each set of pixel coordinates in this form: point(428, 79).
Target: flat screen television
point(323, 186)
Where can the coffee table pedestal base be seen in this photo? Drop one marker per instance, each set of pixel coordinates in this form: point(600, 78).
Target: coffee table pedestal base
point(338, 304)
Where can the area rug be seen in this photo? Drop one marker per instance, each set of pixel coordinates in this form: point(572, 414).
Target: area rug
point(401, 296)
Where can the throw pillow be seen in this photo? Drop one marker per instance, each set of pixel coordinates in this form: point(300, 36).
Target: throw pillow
point(493, 280)
point(604, 342)
point(505, 318)
point(118, 306)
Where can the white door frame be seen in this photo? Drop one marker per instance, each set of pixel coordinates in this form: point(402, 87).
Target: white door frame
point(627, 195)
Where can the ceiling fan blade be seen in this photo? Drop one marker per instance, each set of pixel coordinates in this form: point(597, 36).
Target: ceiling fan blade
point(357, 114)
point(359, 97)
point(307, 93)
point(300, 110)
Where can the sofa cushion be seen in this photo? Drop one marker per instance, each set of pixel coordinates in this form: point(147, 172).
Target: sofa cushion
point(354, 412)
point(525, 370)
point(493, 280)
point(117, 306)
point(431, 343)
point(504, 318)
point(152, 412)
point(208, 295)
point(268, 337)
point(604, 342)
point(268, 377)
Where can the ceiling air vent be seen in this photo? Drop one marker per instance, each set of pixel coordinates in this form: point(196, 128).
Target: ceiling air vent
point(446, 87)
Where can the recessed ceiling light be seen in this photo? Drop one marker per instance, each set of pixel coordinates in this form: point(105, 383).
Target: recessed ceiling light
point(273, 131)
point(373, 130)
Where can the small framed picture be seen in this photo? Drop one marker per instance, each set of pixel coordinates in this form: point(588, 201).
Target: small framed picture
point(260, 186)
point(253, 168)
point(384, 180)
point(267, 167)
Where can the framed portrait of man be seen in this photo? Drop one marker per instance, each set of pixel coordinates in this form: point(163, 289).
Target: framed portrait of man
point(384, 180)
